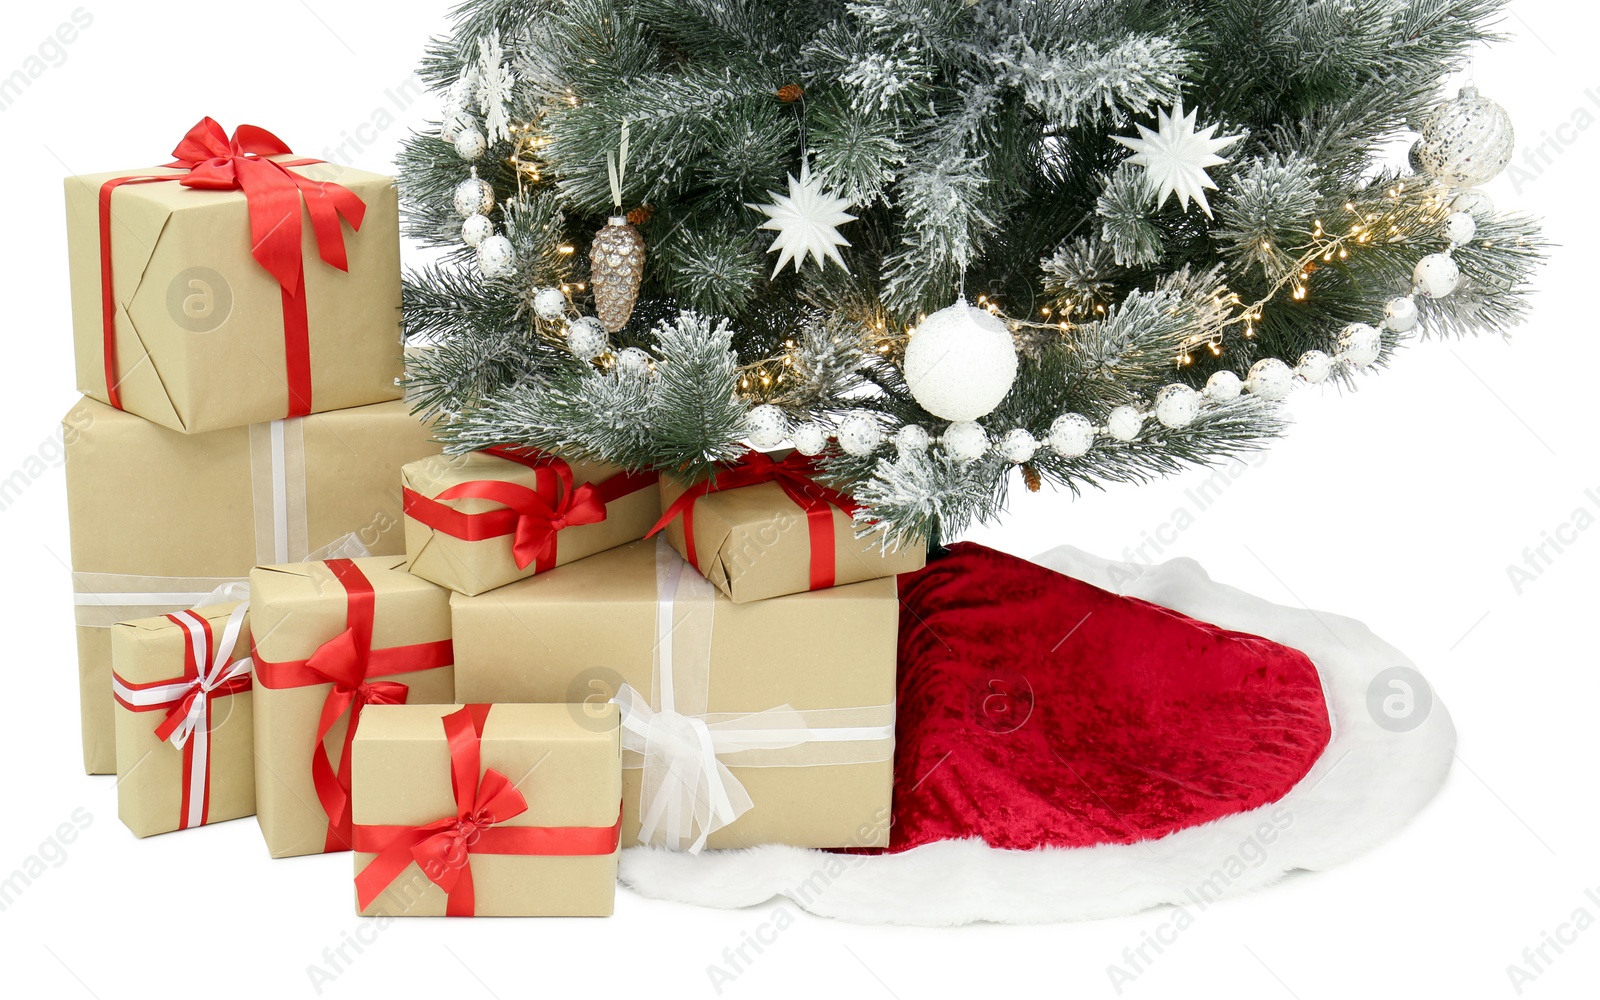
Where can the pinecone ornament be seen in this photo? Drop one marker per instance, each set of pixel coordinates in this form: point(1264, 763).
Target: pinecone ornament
point(617, 269)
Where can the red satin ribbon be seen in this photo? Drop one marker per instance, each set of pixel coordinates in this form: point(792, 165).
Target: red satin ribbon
point(213, 161)
point(349, 663)
point(533, 517)
point(443, 849)
point(178, 709)
point(794, 475)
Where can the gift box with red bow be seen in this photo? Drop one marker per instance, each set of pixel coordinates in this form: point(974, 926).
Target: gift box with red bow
point(236, 284)
point(184, 736)
point(480, 521)
point(330, 639)
point(770, 526)
point(490, 811)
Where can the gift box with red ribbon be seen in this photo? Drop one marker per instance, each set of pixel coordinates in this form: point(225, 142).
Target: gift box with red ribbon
point(237, 284)
point(769, 526)
point(330, 639)
point(184, 737)
point(490, 811)
point(480, 521)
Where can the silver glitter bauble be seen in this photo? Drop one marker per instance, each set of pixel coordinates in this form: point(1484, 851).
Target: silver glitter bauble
point(1177, 405)
point(912, 438)
point(1072, 435)
point(1360, 345)
point(474, 196)
point(616, 269)
point(1223, 386)
point(810, 438)
point(635, 361)
point(1270, 379)
point(1017, 446)
point(586, 338)
point(1467, 141)
point(497, 258)
point(476, 229)
point(966, 441)
point(1436, 276)
point(766, 427)
point(1314, 367)
point(1124, 423)
point(470, 144)
point(1474, 202)
point(859, 435)
point(1460, 227)
point(1400, 314)
point(550, 303)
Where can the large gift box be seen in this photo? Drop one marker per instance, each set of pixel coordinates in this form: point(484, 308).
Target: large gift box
point(231, 287)
point(184, 743)
point(159, 519)
point(487, 810)
point(480, 521)
point(742, 723)
point(765, 528)
point(331, 638)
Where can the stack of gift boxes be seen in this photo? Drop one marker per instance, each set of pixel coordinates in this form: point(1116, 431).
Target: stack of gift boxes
point(484, 674)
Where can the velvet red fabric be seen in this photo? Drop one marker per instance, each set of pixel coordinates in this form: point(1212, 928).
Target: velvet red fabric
point(1035, 709)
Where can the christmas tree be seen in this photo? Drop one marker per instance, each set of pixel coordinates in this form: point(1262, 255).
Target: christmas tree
point(673, 226)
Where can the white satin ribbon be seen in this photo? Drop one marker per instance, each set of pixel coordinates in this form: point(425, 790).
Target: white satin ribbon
point(213, 672)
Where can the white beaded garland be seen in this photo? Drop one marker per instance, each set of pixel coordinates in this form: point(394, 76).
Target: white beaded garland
point(550, 303)
point(966, 441)
point(634, 361)
point(1177, 405)
point(1400, 314)
point(1124, 423)
point(1360, 345)
point(810, 438)
point(1072, 435)
point(1223, 386)
point(1460, 227)
point(497, 258)
point(859, 434)
point(961, 362)
point(912, 438)
point(1436, 275)
point(766, 426)
point(476, 229)
point(470, 144)
point(474, 196)
point(1475, 202)
point(1270, 379)
point(1315, 367)
point(1017, 446)
point(587, 338)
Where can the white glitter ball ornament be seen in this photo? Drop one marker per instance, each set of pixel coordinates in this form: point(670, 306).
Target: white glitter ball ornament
point(1124, 423)
point(474, 196)
point(1460, 227)
point(634, 361)
point(1436, 275)
point(810, 438)
point(1475, 202)
point(1177, 405)
point(1400, 314)
point(550, 303)
point(766, 426)
point(1223, 386)
point(966, 441)
point(470, 144)
point(1360, 345)
point(587, 338)
point(497, 258)
point(859, 435)
point(1315, 367)
point(1072, 435)
point(476, 229)
point(1270, 379)
point(1017, 446)
point(1467, 141)
point(912, 438)
point(960, 363)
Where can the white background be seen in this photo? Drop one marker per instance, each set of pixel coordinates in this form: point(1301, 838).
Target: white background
point(1402, 506)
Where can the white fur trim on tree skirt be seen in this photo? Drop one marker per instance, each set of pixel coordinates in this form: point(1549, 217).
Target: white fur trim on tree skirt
point(1368, 784)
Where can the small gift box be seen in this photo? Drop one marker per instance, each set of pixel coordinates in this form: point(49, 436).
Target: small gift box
point(765, 528)
point(223, 289)
point(161, 519)
point(332, 638)
point(480, 521)
point(742, 724)
point(487, 810)
point(183, 722)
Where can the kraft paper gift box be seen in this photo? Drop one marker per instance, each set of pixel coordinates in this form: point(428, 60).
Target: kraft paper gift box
point(480, 521)
point(330, 639)
point(487, 810)
point(193, 330)
point(796, 694)
point(184, 737)
point(766, 528)
point(159, 519)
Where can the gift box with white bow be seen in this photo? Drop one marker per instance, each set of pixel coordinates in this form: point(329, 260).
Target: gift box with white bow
point(742, 724)
point(184, 737)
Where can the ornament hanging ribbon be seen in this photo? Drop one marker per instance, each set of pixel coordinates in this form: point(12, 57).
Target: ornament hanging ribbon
point(352, 667)
point(795, 475)
point(443, 849)
point(212, 160)
point(534, 518)
point(688, 791)
point(187, 702)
